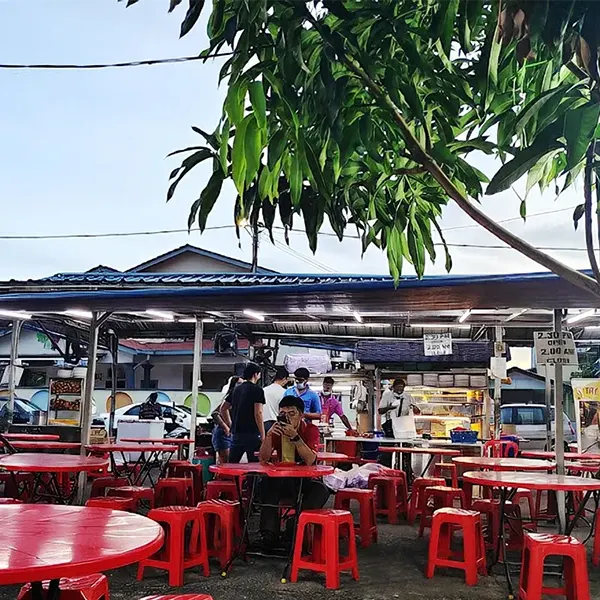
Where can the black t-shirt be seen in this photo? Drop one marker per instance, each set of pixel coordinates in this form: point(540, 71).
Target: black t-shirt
point(243, 399)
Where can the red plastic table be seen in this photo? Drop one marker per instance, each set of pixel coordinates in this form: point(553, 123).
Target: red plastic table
point(552, 455)
point(51, 474)
point(333, 457)
point(430, 451)
point(140, 470)
point(41, 446)
point(512, 480)
point(291, 470)
point(33, 437)
point(41, 542)
point(179, 442)
point(504, 464)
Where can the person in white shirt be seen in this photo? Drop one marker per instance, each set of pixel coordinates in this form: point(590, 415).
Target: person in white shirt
point(395, 399)
point(273, 395)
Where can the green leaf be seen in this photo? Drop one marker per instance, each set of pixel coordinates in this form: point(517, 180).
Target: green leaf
point(295, 177)
point(186, 166)
point(208, 197)
point(234, 103)
point(259, 103)
point(464, 27)
point(523, 210)
point(238, 156)
point(580, 125)
point(224, 147)
point(254, 147)
point(189, 149)
point(577, 214)
point(277, 145)
point(192, 16)
point(495, 46)
point(173, 4)
point(395, 253)
point(416, 249)
point(520, 164)
point(448, 264)
point(444, 23)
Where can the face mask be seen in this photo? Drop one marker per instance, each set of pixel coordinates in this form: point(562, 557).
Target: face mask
point(301, 386)
point(398, 394)
point(326, 393)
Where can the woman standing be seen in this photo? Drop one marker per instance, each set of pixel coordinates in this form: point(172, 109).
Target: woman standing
point(221, 435)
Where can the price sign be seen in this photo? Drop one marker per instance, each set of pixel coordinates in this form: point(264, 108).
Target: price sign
point(437, 344)
point(554, 348)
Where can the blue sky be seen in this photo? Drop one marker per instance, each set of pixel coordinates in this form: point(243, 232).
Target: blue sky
point(84, 152)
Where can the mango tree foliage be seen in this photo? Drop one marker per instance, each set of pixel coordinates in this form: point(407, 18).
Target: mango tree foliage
point(366, 113)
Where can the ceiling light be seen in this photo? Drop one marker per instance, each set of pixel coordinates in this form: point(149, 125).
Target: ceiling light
point(440, 325)
point(516, 314)
point(15, 314)
point(208, 320)
point(581, 316)
point(81, 314)
point(464, 316)
point(161, 314)
point(357, 316)
point(187, 320)
point(253, 314)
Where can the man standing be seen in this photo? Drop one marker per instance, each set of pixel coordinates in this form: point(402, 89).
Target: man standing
point(151, 408)
point(331, 404)
point(294, 440)
point(243, 414)
point(273, 395)
point(301, 389)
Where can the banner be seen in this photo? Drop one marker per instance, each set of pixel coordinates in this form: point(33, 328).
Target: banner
point(586, 394)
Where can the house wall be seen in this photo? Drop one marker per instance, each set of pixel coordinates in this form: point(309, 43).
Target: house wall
point(190, 262)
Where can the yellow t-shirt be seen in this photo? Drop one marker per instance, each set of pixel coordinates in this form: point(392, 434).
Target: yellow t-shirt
point(288, 450)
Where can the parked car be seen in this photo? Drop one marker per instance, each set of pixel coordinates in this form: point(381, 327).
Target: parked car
point(173, 416)
point(25, 412)
point(530, 421)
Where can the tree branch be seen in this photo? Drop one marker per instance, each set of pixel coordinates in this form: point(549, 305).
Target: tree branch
point(589, 226)
point(420, 156)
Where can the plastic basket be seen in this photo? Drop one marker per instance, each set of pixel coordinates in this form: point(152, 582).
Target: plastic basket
point(464, 436)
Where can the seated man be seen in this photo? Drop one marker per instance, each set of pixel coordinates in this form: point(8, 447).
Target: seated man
point(294, 440)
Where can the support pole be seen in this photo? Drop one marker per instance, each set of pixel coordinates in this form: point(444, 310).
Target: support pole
point(254, 268)
point(559, 446)
point(114, 353)
point(371, 406)
point(88, 394)
point(497, 384)
point(14, 354)
point(548, 375)
point(196, 373)
point(376, 400)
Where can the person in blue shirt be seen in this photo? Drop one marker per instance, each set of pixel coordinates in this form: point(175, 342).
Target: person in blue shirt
point(301, 389)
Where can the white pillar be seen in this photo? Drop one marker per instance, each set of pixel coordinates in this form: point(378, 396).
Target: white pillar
point(14, 354)
point(498, 345)
point(548, 373)
point(558, 419)
point(196, 373)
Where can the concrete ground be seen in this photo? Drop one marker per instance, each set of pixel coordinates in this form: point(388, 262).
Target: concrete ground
point(392, 568)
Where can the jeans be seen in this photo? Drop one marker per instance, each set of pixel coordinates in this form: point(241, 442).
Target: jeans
point(244, 443)
point(274, 489)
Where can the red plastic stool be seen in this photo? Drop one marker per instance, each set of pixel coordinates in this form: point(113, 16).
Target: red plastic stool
point(182, 468)
point(179, 597)
point(367, 523)
point(114, 503)
point(89, 587)
point(472, 561)
point(436, 497)
point(174, 491)
point(221, 520)
point(329, 525)
point(550, 511)
point(440, 468)
point(139, 494)
point(596, 550)
point(10, 501)
point(100, 485)
point(174, 556)
point(216, 490)
point(391, 494)
point(526, 495)
point(575, 572)
point(418, 487)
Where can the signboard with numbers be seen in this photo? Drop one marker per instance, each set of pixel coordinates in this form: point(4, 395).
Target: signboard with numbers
point(437, 344)
point(554, 348)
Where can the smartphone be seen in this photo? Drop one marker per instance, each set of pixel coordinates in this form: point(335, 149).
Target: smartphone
point(283, 419)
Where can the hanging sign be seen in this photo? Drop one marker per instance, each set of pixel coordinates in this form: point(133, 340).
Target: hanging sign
point(437, 344)
point(554, 348)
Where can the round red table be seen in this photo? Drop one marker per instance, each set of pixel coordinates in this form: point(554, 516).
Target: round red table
point(552, 455)
point(41, 542)
point(179, 442)
point(137, 470)
point(333, 457)
point(32, 437)
point(430, 451)
point(504, 464)
point(46, 469)
point(44, 446)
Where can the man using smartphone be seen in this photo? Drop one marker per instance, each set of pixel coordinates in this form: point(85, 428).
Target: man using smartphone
point(294, 440)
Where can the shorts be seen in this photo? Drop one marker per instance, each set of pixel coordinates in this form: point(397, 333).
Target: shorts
point(220, 441)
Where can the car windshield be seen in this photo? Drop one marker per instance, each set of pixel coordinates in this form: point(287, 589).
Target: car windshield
point(523, 415)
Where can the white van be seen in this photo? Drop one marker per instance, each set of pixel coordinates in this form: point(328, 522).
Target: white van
point(530, 421)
